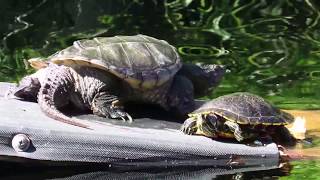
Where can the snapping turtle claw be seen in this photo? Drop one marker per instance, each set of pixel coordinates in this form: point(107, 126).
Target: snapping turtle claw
point(118, 114)
point(130, 119)
point(123, 119)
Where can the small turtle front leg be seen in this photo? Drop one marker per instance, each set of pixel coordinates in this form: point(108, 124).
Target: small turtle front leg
point(234, 127)
point(189, 126)
point(200, 125)
point(108, 105)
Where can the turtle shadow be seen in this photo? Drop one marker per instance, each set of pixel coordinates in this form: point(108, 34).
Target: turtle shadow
point(136, 110)
point(144, 116)
point(152, 111)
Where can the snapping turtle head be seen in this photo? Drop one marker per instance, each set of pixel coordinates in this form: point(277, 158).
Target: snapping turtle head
point(29, 86)
point(181, 96)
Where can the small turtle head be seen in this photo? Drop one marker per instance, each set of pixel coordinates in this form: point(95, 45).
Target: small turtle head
point(210, 125)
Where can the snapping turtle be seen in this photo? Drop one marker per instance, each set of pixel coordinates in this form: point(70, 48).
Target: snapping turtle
point(103, 73)
point(239, 115)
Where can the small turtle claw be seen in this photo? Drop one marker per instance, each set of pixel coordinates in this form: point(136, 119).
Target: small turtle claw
point(190, 131)
point(186, 130)
point(183, 129)
point(188, 126)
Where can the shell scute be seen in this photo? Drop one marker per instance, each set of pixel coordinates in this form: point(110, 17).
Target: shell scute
point(246, 108)
point(142, 61)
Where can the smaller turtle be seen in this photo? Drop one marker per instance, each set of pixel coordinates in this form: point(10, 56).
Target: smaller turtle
point(240, 115)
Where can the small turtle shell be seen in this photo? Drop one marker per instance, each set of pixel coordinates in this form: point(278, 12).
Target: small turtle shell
point(245, 108)
point(142, 61)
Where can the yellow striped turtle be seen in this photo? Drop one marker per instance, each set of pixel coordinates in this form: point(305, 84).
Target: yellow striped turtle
point(239, 115)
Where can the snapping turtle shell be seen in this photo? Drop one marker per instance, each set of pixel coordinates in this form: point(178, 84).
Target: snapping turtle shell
point(142, 61)
point(239, 112)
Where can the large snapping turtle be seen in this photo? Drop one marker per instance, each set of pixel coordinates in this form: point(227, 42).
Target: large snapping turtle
point(103, 73)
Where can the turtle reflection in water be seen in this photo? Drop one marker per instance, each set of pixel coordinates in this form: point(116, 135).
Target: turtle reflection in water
point(242, 116)
point(103, 73)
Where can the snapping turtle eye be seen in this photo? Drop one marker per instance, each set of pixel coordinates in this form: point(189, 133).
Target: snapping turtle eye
point(28, 89)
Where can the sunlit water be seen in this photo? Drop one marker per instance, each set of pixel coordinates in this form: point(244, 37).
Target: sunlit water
point(270, 48)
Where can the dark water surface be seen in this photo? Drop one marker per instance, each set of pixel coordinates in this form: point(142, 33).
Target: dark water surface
point(270, 48)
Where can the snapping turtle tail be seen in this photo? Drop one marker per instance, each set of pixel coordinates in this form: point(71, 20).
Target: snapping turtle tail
point(54, 94)
point(47, 105)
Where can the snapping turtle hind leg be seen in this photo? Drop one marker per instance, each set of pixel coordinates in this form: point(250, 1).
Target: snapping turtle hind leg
point(108, 105)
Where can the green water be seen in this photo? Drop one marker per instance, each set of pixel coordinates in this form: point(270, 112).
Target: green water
point(270, 48)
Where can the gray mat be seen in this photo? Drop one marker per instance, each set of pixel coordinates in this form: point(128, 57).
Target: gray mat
point(144, 143)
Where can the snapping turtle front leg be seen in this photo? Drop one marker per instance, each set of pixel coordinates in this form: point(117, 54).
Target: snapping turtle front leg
point(108, 105)
point(235, 128)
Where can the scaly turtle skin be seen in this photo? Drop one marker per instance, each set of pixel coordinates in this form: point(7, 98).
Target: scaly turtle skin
point(103, 73)
point(238, 115)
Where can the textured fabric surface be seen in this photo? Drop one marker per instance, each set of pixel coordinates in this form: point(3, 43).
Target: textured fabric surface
point(145, 142)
